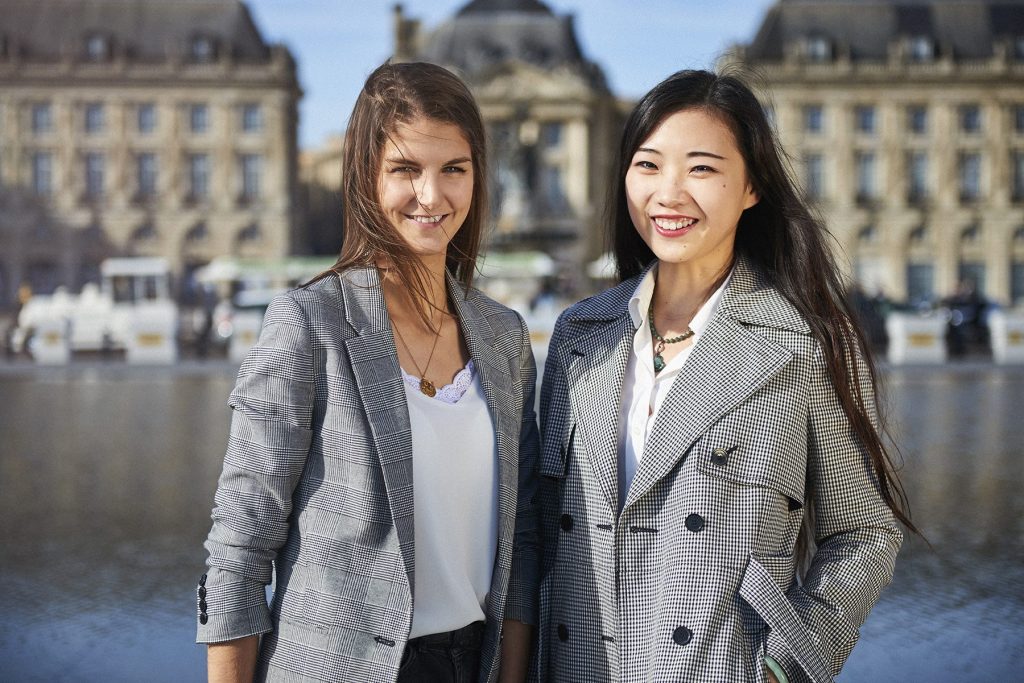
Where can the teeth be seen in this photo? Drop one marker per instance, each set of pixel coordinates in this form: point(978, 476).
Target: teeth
point(666, 224)
point(427, 219)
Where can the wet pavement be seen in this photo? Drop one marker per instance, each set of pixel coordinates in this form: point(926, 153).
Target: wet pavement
point(107, 476)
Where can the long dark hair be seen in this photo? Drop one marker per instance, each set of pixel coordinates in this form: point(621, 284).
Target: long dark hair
point(394, 94)
point(781, 237)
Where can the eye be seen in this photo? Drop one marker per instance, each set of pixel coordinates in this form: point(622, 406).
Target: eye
point(645, 165)
point(454, 170)
point(403, 170)
point(702, 169)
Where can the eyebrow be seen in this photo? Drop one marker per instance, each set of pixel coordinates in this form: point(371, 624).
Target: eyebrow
point(410, 162)
point(651, 150)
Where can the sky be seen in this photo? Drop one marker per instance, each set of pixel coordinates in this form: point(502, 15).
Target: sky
point(337, 43)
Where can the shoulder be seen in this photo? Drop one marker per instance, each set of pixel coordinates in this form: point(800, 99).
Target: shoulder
point(500, 317)
point(751, 299)
point(607, 305)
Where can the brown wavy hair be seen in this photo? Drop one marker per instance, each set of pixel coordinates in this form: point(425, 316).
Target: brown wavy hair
point(785, 241)
point(395, 94)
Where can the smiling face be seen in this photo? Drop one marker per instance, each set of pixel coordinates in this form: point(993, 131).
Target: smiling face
point(686, 187)
point(425, 185)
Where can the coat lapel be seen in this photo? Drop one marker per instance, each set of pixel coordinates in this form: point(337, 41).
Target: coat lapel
point(730, 362)
point(374, 362)
point(594, 356)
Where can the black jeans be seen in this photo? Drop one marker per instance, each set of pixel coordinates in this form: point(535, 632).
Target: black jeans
point(452, 657)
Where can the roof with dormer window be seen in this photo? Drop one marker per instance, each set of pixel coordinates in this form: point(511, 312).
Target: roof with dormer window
point(864, 29)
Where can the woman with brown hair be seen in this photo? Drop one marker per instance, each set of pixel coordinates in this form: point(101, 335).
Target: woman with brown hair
point(381, 463)
point(718, 503)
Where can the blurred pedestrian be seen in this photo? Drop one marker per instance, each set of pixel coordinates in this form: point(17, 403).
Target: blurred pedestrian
point(382, 457)
point(709, 425)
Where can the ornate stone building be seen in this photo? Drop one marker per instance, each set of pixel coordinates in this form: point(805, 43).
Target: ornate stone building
point(551, 119)
point(140, 128)
point(906, 122)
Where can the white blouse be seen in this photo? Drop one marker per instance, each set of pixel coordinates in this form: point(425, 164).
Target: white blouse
point(643, 391)
point(455, 499)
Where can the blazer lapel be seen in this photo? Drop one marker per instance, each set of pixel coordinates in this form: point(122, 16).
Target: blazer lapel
point(374, 362)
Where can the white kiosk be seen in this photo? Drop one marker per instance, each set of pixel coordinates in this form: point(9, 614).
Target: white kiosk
point(1006, 332)
point(916, 338)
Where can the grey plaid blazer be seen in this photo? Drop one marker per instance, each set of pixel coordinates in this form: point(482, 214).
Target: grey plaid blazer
point(694, 579)
point(317, 484)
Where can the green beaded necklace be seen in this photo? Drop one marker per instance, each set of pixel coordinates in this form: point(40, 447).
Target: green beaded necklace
point(659, 362)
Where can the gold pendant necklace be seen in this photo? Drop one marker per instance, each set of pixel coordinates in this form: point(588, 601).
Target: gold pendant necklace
point(426, 386)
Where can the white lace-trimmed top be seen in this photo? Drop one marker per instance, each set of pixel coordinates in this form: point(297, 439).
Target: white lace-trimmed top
point(455, 499)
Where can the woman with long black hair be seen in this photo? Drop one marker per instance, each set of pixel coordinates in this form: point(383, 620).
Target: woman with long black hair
point(710, 422)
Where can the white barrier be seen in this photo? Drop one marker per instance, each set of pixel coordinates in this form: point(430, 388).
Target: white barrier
point(916, 338)
point(1006, 331)
point(244, 333)
point(151, 338)
point(50, 344)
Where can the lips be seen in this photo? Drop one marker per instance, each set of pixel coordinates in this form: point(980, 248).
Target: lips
point(673, 225)
point(427, 220)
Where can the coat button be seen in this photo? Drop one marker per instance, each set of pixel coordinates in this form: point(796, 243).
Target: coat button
point(203, 619)
point(694, 522)
point(202, 580)
point(720, 457)
point(566, 522)
point(682, 635)
point(563, 633)
point(202, 592)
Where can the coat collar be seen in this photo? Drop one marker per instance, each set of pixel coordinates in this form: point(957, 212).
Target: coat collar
point(731, 362)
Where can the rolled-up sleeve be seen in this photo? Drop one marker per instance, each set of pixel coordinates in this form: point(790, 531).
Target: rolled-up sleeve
point(272, 406)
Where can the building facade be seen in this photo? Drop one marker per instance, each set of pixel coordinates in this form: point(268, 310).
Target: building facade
point(905, 121)
point(552, 123)
point(146, 128)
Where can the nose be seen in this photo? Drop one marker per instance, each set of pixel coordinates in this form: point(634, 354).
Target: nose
point(671, 190)
point(428, 191)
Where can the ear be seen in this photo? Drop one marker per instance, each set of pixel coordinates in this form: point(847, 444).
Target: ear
point(751, 197)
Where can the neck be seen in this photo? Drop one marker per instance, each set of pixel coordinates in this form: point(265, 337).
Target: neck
point(412, 307)
point(680, 291)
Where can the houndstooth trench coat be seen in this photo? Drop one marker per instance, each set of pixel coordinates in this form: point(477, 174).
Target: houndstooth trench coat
point(694, 579)
point(317, 485)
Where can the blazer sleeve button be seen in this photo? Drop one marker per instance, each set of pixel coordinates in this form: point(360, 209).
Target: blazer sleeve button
point(203, 619)
point(682, 635)
point(694, 522)
point(563, 633)
point(566, 523)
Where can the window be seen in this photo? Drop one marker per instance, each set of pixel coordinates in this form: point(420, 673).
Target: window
point(252, 118)
point(42, 174)
point(818, 49)
point(94, 117)
point(813, 118)
point(920, 49)
point(552, 191)
point(201, 49)
point(551, 134)
point(1017, 283)
point(920, 282)
point(973, 273)
point(917, 119)
point(1017, 190)
point(864, 119)
point(866, 188)
point(197, 233)
point(198, 176)
point(813, 176)
point(95, 164)
point(42, 118)
point(1018, 48)
point(146, 171)
point(198, 118)
point(97, 48)
point(147, 117)
point(251, 169)
point(144, 233)
point(970, 118)
point(969, 172)
point(1018, 118)
point(867, 235)
point(250, 233)
point(917, 176)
